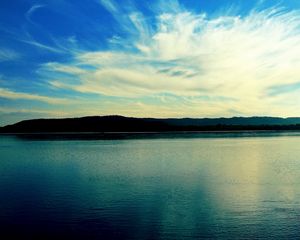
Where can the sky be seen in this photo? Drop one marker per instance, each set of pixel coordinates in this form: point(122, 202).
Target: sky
point(151, 58)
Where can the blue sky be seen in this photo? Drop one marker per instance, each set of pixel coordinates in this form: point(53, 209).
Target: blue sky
point(66, 58)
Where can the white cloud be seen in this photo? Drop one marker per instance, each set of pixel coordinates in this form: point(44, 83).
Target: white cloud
point(42, 112)
point(6, 93)
point(42, 46)
point(190, 54)
point(31, 10)
point(110, 6)
point(57, 67)
point(8, 55)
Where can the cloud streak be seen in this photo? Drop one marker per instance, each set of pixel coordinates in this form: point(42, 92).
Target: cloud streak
point(8, 94)
point(8, 55)
point(33, 9)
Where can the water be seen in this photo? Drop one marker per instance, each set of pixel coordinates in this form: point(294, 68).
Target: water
point(159, 188)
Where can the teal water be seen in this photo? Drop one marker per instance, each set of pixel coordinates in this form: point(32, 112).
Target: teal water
point(162, 188)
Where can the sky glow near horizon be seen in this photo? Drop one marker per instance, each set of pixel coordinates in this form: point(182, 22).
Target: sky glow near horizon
point(149, 58)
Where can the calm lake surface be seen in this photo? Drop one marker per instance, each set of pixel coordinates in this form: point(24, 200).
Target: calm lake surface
point(196, 187)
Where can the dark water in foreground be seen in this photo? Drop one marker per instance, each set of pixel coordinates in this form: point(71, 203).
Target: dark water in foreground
point(163, 188)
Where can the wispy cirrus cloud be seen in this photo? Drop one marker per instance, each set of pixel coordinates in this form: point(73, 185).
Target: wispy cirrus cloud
point(9, 94)
point(23, 35)
point(63, 68)
point(192, 54)
point(8, 55)
point(31, 10)
point(110, 5)
point(42, 46)
point(283, 89)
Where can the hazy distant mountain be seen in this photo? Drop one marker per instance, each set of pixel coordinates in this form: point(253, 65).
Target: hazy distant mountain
point(128, 124)
point(254, 121)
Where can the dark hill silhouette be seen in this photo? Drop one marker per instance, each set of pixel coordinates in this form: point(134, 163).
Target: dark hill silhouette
point(129, 124)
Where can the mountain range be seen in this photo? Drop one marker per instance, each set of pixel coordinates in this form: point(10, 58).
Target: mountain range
point(117, 123)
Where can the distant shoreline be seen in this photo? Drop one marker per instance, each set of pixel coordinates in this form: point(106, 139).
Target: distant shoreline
point(129, 125)
point(151, 132)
